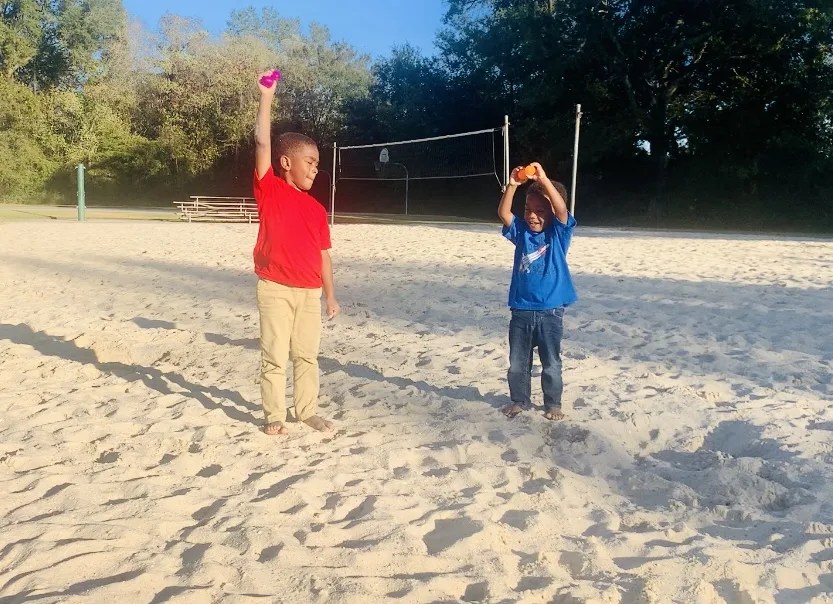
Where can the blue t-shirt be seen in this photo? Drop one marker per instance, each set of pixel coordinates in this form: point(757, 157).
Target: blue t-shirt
point(540, 277)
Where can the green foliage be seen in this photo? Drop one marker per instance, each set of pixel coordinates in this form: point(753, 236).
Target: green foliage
point(702, 108)
point(728, 99)
point(21, 24)
point(403, 99)
point(87, 31)
point(49, 43)
point(25, 141)
point(322, 80)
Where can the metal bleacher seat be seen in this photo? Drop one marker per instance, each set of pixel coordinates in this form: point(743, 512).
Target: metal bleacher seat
point(199, 208)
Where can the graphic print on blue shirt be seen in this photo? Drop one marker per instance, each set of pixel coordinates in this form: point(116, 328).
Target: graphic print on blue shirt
point(528, 259)
point(540, 276)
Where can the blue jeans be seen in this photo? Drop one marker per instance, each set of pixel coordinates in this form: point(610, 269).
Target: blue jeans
point(528, 329)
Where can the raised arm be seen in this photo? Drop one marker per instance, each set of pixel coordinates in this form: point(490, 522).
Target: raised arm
point(557, 201)
point(504, 208)
point(263, 127)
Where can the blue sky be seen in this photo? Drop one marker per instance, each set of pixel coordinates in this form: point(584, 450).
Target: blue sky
point(370, 26)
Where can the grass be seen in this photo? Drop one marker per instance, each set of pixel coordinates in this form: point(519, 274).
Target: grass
point(43, 212)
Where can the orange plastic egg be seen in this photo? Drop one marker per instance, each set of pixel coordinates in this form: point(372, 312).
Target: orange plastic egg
point(525, 172)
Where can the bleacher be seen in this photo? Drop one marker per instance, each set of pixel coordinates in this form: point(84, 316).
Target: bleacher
point(199, 208)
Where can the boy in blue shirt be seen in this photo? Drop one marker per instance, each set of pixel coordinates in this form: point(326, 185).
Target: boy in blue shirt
point(541, 288)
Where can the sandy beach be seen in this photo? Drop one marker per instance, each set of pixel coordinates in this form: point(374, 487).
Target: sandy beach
point(695, 465)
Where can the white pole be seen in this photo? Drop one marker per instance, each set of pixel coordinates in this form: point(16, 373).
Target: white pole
point(505, 151)
point(575, 162)
point(333, 187)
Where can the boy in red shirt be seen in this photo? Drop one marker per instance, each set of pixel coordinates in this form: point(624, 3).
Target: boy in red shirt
point(293, 262)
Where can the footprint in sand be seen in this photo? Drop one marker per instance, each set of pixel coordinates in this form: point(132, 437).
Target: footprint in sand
point(332, 502)
point(469, 491)
point(207, 512)
point(295, 509)
point(108, 457)
point(210, 471)
point(536, 485)
point(533, 583)
point(448, 532)
point(55, 490)
point(497, 436)
point(192, 557)
point(476, 592)
point(400, 593)
point(254, 477)
point(509, 456)
point(519, 519)
point(365, 508)
point(401, 472)
point(731, 591)
point(576, 564)
point(279, 487)
point(269, 553)
point(364, 544)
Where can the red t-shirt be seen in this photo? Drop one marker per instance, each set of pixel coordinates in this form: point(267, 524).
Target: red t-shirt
point(293, 232)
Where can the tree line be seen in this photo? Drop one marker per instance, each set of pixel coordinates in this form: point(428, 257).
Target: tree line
point(704, 112)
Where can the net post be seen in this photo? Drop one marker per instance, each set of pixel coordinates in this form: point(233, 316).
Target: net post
point(333, 187)
point(82, 199)
point(505, 151)
point(575, 162)
point(406, 189)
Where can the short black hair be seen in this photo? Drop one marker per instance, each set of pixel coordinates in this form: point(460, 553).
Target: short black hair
point(538, 189)
point(290, 142)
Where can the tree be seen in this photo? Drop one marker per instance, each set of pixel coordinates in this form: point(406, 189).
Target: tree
point(409, 98)
point(47, 43)
point(25, 142)
point(21, 22)
point(321, 79)
point(765, 97)
point(678, 83)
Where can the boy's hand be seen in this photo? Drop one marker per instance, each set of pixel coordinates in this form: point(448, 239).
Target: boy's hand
point(513, 177)
point(266, 90)
point(333, 308)
point(539, 172)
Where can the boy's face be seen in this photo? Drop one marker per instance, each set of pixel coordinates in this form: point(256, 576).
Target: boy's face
point(537, 212)
point(300, 166)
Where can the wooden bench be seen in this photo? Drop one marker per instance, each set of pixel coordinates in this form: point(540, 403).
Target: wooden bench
point(199, 208)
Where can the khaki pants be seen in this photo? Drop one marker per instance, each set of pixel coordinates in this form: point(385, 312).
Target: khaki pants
point(290, 327)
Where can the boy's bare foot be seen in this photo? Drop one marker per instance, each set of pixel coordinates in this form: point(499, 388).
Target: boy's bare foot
point(512, 410)
point(319, 423)
point(554, 415)
point(275, 429)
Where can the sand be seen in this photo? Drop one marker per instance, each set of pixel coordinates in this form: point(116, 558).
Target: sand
point(695, 464)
